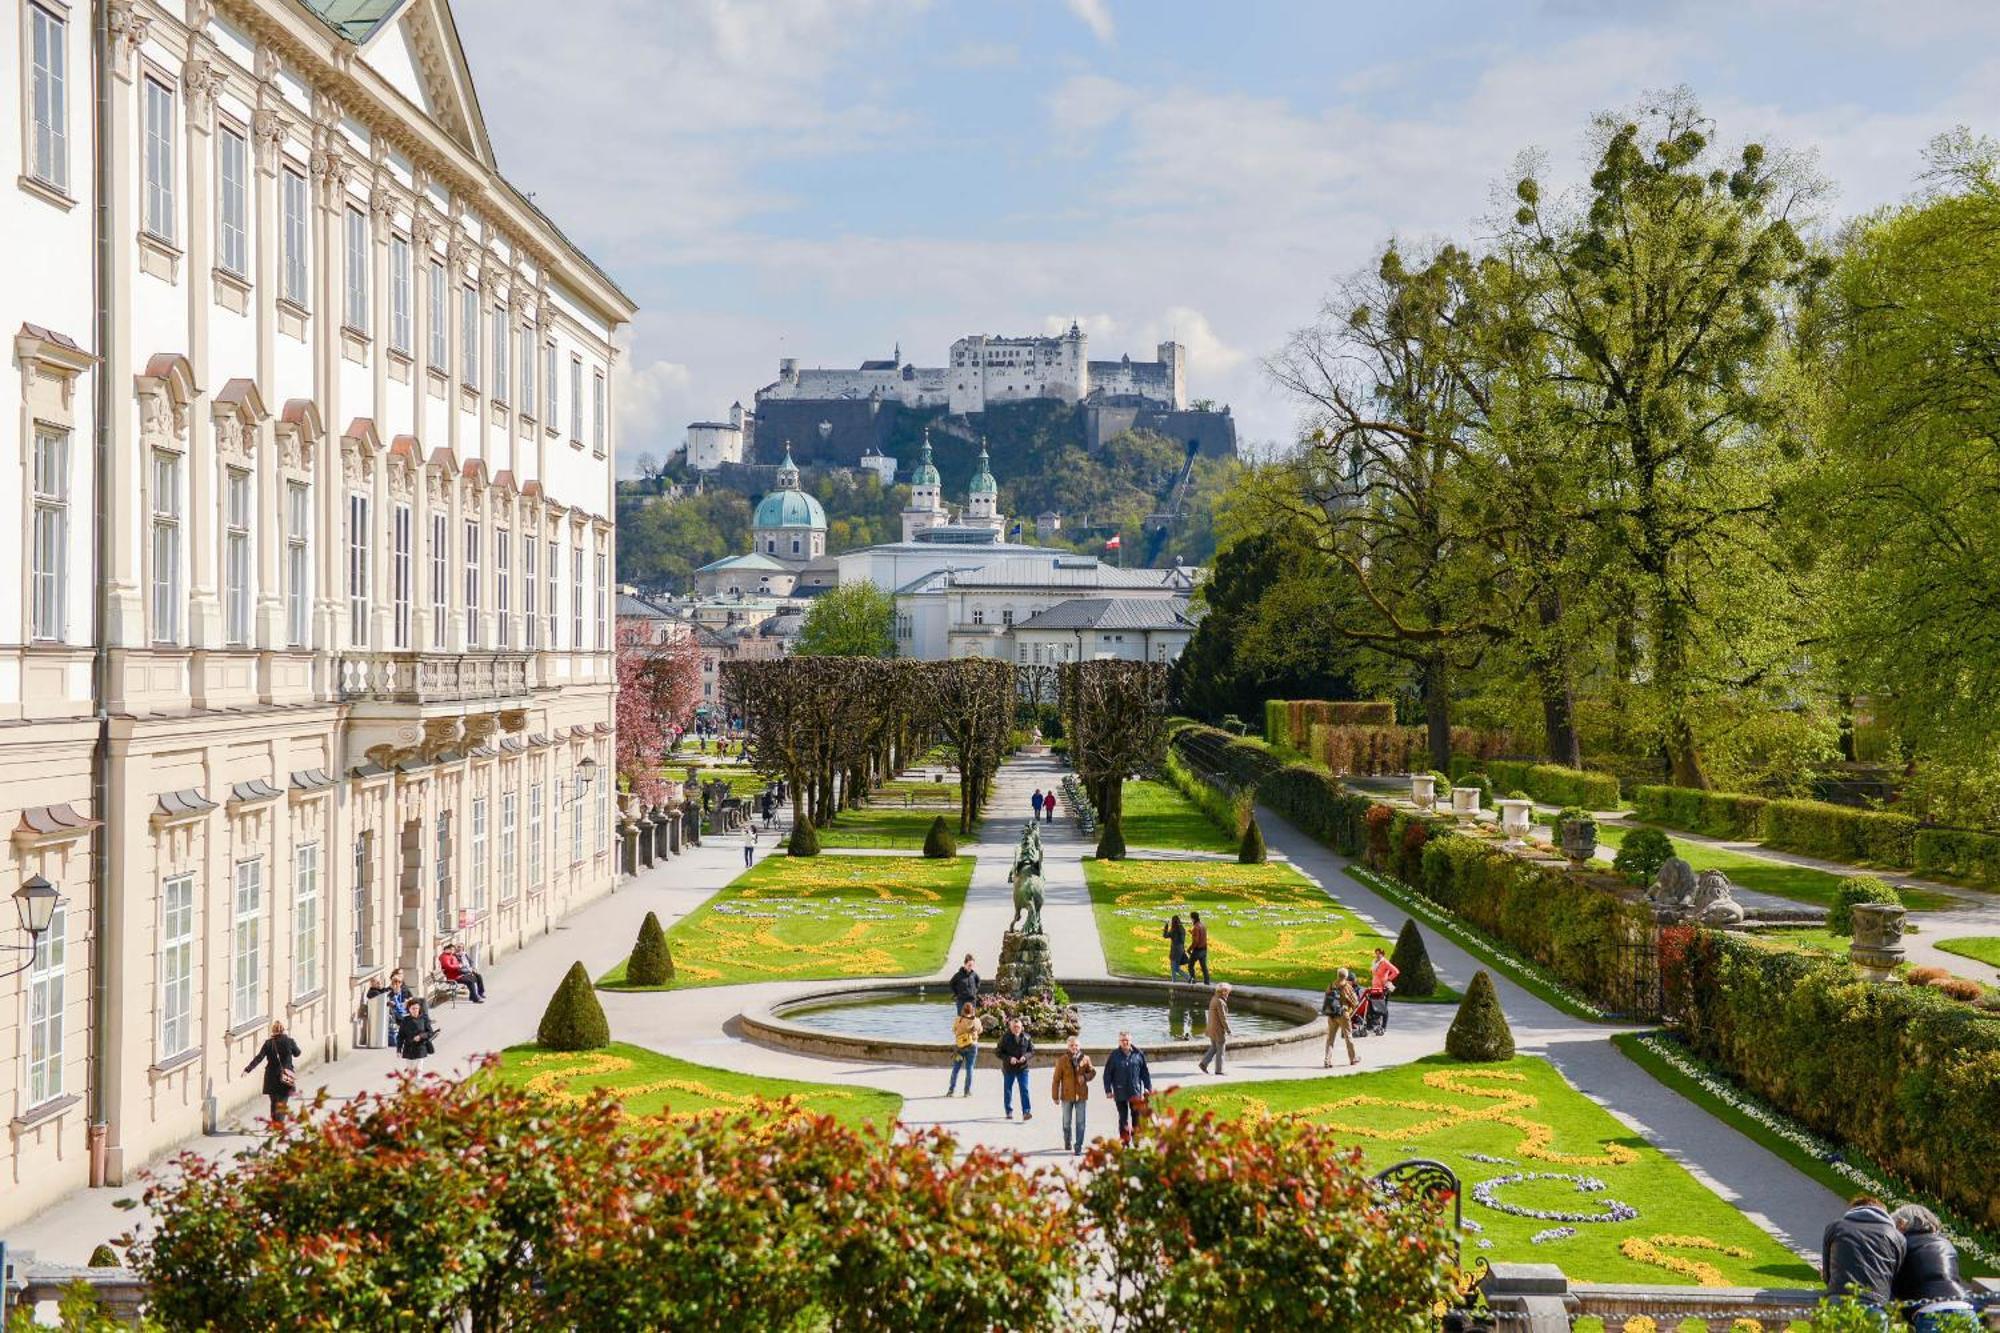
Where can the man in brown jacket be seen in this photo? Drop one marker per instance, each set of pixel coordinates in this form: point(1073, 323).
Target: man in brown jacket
point(1218, 1028)
point(1070, 1090)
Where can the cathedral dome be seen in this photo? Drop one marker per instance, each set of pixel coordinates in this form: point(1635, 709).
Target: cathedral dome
point(789, 509)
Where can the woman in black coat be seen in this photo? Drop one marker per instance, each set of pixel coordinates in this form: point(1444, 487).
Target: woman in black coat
point(415, 1035)
point(277, 1055)
point(1927, 1281)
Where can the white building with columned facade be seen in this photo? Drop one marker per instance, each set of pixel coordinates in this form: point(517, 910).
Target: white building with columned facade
point(328, 683)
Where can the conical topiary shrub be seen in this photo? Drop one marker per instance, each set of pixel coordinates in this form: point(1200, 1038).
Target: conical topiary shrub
point(105, 1257)
point(650, 964)
point(939, 845)
point(574, 1020)
point(804, 840)
point(1480, 1032)
point(1252, 850)
point(1414, 975)
point(1111, 842)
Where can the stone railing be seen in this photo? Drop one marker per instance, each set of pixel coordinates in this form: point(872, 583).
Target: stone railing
point(1539, 1298)
point(29, 1283)
point(435, 678)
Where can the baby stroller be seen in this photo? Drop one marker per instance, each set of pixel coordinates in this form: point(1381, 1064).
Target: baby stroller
point(1372, 1018)
point(1358, 1021)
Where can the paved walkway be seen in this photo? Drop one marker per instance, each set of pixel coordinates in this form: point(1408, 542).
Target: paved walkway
point(699, 1024)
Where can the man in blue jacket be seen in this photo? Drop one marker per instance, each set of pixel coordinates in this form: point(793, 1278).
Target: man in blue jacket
point(1128, 1083)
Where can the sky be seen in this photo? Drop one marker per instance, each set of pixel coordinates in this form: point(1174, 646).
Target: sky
point(826, 178)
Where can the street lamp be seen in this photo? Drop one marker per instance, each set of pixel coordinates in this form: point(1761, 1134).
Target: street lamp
point(36, 901)
point(586, 773)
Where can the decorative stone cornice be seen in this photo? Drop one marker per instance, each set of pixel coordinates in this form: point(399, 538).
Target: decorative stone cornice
point(128, 32)
point(270, 130)
point(200, 79)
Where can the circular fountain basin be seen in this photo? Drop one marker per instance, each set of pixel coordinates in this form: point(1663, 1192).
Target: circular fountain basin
point(911, 1024)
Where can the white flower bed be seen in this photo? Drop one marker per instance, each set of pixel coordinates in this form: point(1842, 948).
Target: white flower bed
point(1777, 1122)
point(1486, 1192)
point(1440, 918)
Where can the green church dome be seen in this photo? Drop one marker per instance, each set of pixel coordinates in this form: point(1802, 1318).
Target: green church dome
point(982, 480)
point(926, 473)
point(789, 509)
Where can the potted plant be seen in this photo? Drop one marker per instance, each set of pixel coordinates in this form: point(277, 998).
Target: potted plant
point(1576, 830)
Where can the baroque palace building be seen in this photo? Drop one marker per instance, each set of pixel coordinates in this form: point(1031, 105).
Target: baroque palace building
point(309, 664)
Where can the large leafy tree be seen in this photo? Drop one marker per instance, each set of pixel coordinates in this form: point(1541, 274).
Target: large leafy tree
point(1661, 292)
point(1910, 483)
point(852, 620)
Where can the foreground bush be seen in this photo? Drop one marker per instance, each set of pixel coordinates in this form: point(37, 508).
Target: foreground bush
point(939, 844)
point(651, 964)
point(574, 1020)
point(1264, 1224)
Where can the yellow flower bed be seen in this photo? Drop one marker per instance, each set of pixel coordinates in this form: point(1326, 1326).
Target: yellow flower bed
point(1653, 1250)
point(649, 1085)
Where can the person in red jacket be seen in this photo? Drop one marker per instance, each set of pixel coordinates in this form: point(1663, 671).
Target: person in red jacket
point(1380, 982)
point(458, 968)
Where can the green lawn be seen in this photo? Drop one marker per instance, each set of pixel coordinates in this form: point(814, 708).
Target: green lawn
point(1156, 815)
point(1813, 940)
point(804, 918)
point(1268, 925)
point(922, 793)
point(1980, 948)
point(890, 826)
point(1799, 883)
point(650, 1084)
point(1522, 1118)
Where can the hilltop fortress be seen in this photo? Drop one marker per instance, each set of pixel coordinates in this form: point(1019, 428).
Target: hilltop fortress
point(849, 417)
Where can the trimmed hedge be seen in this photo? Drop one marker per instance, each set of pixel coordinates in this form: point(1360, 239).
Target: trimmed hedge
point(1717, 814)
point(574, 1020)
point(1368, 751)
point(1853, 890)
point(1901, 1073)
point(1290, 721)
point(1840, 833)
point(1960, 853)
point(1551, 784)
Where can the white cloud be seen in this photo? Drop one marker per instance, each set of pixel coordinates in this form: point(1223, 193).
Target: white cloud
point(1096, 15)
point(654, 403)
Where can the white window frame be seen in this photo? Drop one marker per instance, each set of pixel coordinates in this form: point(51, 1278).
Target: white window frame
point(360, 532)
point(176, 965)
point(575, 823)
point(510, 859)
point(308, 905)
point(599, 600)
point(364, 899)
point(295, 256)
point(160, 203)
point(552, 382)
point(356, 277)
point(503, 573)
point(298, 563)
point(576, 400)
point(399, 572)
point(441, 849)
point(530, 631)
point(48, 96)
point(232, 202)
point(440, 331)
point(238, 556)
point(48, 545)
point(473, 541)
point(399, 293)
point(597, 408)
point(468, 335)
point(554, 577)
point(246, 943)
point(478, 853)
point(440, 557)
point(535, 858)
point(503, 353)
point(603, 812)
point(169, 603)
point(576, 598)
point(526, 344)
point(48, 976)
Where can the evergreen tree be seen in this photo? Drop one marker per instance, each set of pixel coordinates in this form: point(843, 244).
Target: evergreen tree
point(804, 840)
point(1251, 853)
point(1480, 1032)
point(651, 964)
point(939, 845)
point(1414, 975)
point(574, 1020)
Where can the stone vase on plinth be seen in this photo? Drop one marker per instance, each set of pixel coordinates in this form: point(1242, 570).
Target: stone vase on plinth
point(1515, 818)
point(1465, 802)
point(1423, 790)
point(1877, 950)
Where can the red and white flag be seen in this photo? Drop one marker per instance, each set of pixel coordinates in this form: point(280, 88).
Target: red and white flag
point(1112, 545)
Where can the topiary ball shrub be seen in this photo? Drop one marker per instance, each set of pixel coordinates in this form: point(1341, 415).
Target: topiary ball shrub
point(1480, 1033)
point(1856, 889)
point(1415, 977)
point(1485, 785)
point(1252, 852)
point(804, 840)
point(939, 845)
point(1518, 795)
point(650, 964)
point(1111, 841)
point(574, 1020)
point(1643, 853)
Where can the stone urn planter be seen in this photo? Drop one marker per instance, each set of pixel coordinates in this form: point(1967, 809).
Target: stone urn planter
point(1515, 818)
point(1877, 950)
point(1465, 802)
point(1423, 790)
point(1578, 836)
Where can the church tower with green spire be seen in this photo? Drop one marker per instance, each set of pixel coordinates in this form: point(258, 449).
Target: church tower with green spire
point(927, 508)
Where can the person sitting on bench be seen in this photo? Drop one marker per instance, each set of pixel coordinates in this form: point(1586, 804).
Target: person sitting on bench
point(457, 969)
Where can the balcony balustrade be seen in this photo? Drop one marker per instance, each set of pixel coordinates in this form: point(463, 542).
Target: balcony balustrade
point(435, 678)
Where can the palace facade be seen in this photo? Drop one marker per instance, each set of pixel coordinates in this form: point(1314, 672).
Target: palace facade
point(308, 668)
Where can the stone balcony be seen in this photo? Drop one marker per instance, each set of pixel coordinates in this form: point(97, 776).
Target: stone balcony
point(425, 679)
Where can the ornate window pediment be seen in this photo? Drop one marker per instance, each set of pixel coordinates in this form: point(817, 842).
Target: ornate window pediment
point(238, 410)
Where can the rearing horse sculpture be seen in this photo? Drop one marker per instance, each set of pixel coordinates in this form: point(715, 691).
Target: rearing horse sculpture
point(1026, 876)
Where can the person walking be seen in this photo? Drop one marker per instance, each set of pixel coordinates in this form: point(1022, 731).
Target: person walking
point(1861, 1253)
point(1381, 981)
point(1197, 947)
point(416, 1035)
point(1016, 1048)
point(1070, 1091)
point(277, 1055)
point(749, 844)
point(1038, 805)
point(1927, 1282)
point(965, 1047)
point(1339, 1005)
point(1177, 952)
point(1049, 808)
point(1218, 1028)
point(1127, 1082)
point(965, 985)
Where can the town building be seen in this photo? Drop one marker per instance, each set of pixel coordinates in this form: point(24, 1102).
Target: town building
point(710, 444)
point(1132, 629)
point(309, 662)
